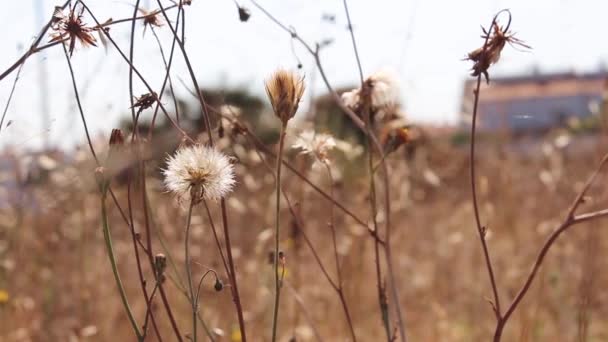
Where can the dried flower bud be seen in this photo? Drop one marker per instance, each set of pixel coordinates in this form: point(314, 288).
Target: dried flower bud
point(244, 14)
point(285, 90)
point(116, 138)
point(160, 264)
point(219, 286)
point(489, 53)
point(145, 101)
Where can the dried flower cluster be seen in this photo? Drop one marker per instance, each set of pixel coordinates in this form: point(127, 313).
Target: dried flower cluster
point(285, 90)
point(315, 144)
point(151, 19)
point(145, 101)
point(381, 89)
point(199, 173)
point(71, 27)
point(489, 53)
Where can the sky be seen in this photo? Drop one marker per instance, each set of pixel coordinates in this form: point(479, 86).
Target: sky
point(421, 41)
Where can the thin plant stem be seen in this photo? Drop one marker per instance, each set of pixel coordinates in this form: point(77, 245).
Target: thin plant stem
point(140, 273)
point(108, 243)
point(234, 287)
point(189, 269)
point(35, 48)
point(277, 285)
point(332, 227)
point(10, 96)
point(159, 281)
point(570, 220)
point(80, 110)
point(387, 250)
point(481, 230)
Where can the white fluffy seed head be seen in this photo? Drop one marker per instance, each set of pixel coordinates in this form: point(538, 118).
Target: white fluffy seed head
point(315, 144)
point(200, 170)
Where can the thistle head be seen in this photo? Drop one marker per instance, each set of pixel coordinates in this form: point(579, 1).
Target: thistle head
point(285, 90)
point(71, 27)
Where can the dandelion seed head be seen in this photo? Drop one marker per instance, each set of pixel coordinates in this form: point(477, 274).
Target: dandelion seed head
point(199, 172)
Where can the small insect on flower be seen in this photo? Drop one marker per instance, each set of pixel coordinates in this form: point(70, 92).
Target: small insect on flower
point(145, 101)
point(489, 54)
point(199, 173)
point(285, 90)
point(318, 145)
point(71, 27)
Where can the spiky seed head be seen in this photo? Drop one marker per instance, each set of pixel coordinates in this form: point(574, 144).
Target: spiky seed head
point(285, 90)
point(199, 173)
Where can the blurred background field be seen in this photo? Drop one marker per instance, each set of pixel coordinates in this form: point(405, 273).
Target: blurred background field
point(542, 133)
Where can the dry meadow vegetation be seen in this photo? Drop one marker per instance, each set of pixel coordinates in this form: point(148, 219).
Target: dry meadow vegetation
point(193, 230)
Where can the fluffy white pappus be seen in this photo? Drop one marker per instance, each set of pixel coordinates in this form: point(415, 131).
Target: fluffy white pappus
point(384, 93)
point(385, 89)
point(315, 144)
point(199, 166)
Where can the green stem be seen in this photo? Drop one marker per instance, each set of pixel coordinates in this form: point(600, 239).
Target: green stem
point(277, 285)
point(110, 249)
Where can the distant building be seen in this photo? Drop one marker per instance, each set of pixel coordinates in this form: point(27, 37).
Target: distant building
point(533, 103)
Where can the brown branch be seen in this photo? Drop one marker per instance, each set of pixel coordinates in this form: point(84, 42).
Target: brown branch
point(570, 220)
point(481, 230)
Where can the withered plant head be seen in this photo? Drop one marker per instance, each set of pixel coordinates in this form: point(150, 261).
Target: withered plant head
point(145, 101)
point(71, 27)
point(244, 13)
point(151, 19)
point(495, 41)
point(285, 90)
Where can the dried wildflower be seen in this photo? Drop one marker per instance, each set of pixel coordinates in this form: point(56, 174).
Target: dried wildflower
point(71, 27)
point(151, 18)
point(285, 89)
point(489, 54)
point(145, 101)
point(218, 286)
point(199, 172)
point(381, 89)
point(315, 144)
point(244, 13)
point(160, 264)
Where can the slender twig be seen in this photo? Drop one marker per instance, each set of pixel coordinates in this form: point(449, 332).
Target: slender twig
point(140, 273)
point(108, 243)
point(80, 110)
point(307, 314)
point(570, 220)
point(481, 230)
point(199, 93)
point(167, 65)
point(332, 227)
point(139, 75)
point(34, 48)
point(149, 314)
point(189, 269)
point(371, 137)
point(10, 96)
point(234, 286)
point(157, 277)
point(277, 284)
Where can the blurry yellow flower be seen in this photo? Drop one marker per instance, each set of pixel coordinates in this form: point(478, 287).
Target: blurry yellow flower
point(235, 336)
point(4, 297)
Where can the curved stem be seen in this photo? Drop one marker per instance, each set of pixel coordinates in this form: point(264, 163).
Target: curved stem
point(108, 243)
